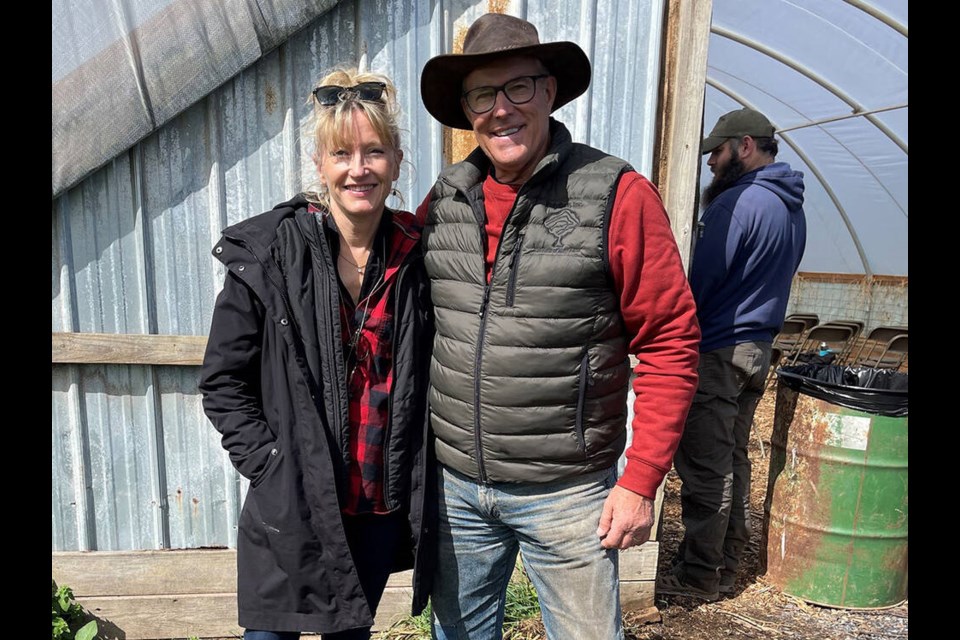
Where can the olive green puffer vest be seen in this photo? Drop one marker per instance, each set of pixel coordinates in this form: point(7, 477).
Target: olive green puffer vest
point(529, 373)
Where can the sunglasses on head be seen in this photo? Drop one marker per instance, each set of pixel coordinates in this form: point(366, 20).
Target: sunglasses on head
point(330, 94)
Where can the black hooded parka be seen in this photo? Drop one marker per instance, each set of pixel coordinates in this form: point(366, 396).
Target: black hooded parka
point(274, 385)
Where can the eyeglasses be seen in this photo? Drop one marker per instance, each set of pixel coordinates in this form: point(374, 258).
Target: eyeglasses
point(518, 91)
point(329, 94)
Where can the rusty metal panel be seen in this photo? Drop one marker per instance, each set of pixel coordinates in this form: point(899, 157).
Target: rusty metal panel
point(201, 500)
point(117, 422)
point(136, 465)
point(66, 456)
point(622, 39)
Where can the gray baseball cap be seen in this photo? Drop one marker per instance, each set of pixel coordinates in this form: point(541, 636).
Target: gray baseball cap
point(736, 124)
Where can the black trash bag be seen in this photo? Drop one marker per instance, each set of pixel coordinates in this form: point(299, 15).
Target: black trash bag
point(877, 391)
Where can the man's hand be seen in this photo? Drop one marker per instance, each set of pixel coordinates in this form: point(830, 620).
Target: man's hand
point(626, 519)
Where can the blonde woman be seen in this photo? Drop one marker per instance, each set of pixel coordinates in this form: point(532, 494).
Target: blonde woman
point(315, 375)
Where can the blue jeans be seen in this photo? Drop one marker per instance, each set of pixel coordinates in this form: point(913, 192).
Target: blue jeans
point(554, 527)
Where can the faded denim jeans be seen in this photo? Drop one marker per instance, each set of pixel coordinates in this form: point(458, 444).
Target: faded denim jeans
point(554, 527)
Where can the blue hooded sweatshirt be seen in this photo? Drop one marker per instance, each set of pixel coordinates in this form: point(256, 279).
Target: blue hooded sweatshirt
point(752, 238)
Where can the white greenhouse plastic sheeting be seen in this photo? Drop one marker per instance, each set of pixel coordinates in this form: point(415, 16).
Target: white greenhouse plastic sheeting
point(122, 68)
point(832, 77)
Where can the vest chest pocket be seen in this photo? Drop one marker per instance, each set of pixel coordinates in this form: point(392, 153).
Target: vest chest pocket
point(514, 267)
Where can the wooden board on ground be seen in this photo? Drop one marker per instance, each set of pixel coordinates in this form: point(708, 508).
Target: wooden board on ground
point(638, 574)
point(162, 594)
point(157, 595)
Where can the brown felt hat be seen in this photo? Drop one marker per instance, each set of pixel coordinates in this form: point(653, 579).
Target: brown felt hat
point(491, 37)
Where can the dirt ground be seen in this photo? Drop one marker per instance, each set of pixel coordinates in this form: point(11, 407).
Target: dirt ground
point(757, 610)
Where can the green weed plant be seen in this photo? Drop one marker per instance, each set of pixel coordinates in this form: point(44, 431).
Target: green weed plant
point(68, 617)
point(520, 620)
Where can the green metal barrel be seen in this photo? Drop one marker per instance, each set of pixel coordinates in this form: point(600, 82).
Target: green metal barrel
point(835, 515)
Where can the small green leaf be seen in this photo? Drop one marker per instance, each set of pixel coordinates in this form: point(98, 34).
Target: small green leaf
point(87, 631)
point(63, 597)
point(60, 628)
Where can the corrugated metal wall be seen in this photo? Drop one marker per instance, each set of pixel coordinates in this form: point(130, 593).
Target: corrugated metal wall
point(135, 463)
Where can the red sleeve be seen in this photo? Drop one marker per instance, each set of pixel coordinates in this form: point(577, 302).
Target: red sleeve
point(660, 316)
point(422, 210)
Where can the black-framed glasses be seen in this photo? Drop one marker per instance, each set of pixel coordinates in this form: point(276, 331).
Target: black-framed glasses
point(518, 91)
point(330, 94)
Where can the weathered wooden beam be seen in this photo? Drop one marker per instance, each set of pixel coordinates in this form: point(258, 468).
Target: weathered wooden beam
point(159, 594)
point(144, 573)
point(637, 596)
point(639, 563)
point(178, 593)
point(677, 154)
point(156, 617)
point(458, 143)
point(119, 348)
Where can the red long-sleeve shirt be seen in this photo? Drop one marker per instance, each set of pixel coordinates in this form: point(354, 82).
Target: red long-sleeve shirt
point(658, 311)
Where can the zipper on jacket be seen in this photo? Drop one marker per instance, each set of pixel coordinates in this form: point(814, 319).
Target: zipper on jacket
point(480, 214)
point(387, 428)
point(319, 249)
point(331, 292)
point(581, 400)
point(514, 267)
point(476, 384)
point(478, 361)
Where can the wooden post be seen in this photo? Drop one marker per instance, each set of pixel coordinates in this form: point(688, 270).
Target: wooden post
point(682, 88)
point(677, 166)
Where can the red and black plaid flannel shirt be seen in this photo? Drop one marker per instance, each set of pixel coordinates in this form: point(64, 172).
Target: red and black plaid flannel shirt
point(370, 364)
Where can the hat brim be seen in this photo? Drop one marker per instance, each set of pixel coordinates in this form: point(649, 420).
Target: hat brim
point(710, 143)
point(441, 83)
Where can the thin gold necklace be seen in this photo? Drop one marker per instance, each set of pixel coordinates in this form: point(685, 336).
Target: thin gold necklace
point(355, 332)
point(360, 267)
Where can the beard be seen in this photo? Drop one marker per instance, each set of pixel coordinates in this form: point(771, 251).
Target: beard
point(723, 178)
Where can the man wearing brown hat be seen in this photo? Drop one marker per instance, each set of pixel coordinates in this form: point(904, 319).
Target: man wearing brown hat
point(551, 263)
point(752, 237)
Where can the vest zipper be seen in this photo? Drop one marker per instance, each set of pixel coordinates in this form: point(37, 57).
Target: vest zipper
point(514, 267)
point(481, 216)
point(476, 384)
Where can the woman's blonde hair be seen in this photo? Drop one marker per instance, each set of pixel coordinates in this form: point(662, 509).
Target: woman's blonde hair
point(332, 126)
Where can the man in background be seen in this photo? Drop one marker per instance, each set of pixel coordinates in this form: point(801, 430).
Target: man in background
point(752, 237)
